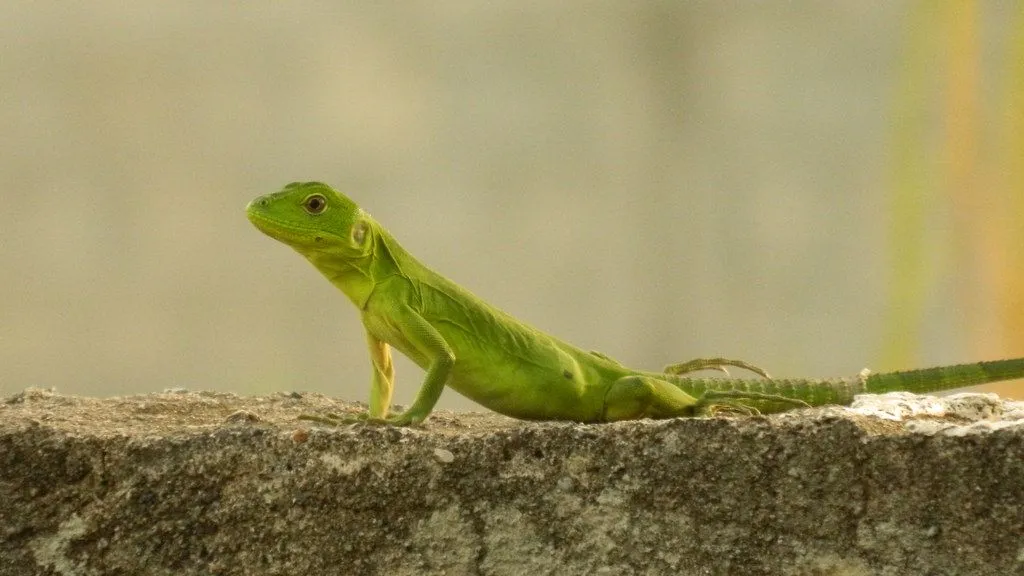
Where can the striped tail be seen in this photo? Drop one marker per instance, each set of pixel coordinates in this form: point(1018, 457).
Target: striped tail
point(945, 377)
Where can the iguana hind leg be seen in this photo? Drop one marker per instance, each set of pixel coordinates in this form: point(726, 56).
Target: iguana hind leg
point(638, 396)
point(641, 396)
point(712, 364)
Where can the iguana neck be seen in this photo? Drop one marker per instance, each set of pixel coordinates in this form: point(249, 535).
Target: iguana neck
point(358, 277)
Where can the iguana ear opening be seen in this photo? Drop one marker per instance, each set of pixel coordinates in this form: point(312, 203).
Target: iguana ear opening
point(359, 233)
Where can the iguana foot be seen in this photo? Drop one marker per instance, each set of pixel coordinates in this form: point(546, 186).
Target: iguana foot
point(727, 409)
point(712, 364)
point(332, 419)
point(405, 419)
point(714, 401)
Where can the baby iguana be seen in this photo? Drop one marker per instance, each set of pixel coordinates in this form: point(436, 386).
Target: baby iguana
point(510, 367)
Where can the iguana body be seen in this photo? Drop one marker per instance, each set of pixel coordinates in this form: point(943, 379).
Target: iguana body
point(508, 366)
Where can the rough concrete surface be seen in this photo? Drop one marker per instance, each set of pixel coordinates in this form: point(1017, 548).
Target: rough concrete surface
point(211, 483)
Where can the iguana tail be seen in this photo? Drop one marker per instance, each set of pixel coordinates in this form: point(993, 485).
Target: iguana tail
point(784, 394)
point(945, 377)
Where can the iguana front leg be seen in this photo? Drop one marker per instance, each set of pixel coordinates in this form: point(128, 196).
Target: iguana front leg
point(382, 384)
point(426, 343)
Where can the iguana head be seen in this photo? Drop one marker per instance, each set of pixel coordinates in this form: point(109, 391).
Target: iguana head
point(313, 218)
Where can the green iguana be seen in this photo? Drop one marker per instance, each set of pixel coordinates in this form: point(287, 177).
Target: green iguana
point(510, 367)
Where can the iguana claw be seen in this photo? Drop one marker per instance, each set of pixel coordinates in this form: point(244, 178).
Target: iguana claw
point(332, 419)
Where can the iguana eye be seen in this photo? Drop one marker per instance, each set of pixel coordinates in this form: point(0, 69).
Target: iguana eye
point(315, 204)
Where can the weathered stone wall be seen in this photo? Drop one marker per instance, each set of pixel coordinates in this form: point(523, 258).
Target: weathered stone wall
point(204, 483)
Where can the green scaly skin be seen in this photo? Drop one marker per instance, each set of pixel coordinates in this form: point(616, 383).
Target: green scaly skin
point(510, 367)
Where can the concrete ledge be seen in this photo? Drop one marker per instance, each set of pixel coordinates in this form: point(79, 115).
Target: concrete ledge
point(209, 483)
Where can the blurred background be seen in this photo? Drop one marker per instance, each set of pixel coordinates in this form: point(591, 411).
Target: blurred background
point(812, 187)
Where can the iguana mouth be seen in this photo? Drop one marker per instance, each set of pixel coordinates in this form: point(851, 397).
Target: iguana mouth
point(287, 233)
